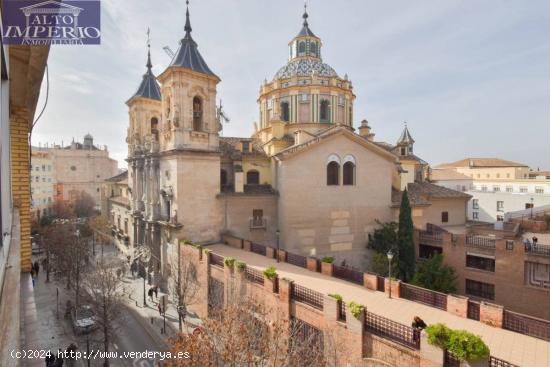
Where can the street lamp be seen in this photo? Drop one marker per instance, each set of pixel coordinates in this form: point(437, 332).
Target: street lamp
point(532, 205)
point(390, 257)
point(277, 234)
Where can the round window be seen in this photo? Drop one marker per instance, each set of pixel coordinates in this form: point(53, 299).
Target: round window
point(73, 168)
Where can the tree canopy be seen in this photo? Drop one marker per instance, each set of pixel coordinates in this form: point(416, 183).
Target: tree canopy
point(405, 241)
point(435, 275)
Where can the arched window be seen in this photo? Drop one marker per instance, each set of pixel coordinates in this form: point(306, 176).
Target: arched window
point(301, 48)
point(223, 177)
point(349, 170)
point(349, 173)
point(285, 111)
point(333, 173)
point(324, 113)
point(252, 177)
point(197, 114)
point(313, 48)
point(155, 128)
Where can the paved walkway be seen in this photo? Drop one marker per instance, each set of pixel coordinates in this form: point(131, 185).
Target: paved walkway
point(522, 350)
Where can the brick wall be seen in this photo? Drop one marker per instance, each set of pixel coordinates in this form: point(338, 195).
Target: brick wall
point(20, 178)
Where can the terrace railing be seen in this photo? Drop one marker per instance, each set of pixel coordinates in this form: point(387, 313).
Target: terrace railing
point(538, 249)
point(297, 260)
point(254, 275)
point(431, 236)
point(346, 273)
point(258, 249)
point(342, 311)
point(307, 296)
point(481, 242)
point(423, 295)
point(392, 330)
point(496, 362)
point(527, 325)
point(216, 259)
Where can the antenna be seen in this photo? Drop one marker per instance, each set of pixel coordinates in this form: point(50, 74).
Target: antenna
point(169, 51)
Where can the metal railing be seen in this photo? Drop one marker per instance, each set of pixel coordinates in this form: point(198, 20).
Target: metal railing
point(481, 242)
point(527, 325)
point(258, 249)
point(449, 360)
point(425, 296)
point(307, 296)
point(434, 236)
point(346, 273)
point(497, 362)
point(394, 331)
point(297, 260)
point(538, 249)
point(254, 275)
point(473, 310)
point(216, 259)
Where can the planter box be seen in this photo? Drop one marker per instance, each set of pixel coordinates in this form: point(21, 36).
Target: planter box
point(484, 362)
point(326, 269)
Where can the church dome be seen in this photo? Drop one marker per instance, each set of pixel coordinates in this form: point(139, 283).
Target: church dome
point(305, 67)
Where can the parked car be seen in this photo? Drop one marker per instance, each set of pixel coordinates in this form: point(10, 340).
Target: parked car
point(83, 320)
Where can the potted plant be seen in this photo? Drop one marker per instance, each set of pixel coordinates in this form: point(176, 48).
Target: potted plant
point(468, 348)
point(326, 265)
point(271, 279)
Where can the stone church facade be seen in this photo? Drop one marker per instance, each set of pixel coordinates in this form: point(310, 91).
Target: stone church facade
point(306, 178)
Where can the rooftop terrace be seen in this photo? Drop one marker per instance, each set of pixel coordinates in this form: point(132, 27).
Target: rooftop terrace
point(519, 349)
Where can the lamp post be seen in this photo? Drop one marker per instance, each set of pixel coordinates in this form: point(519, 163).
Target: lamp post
point(532, 205)
point(390, 257)
point(277, 234)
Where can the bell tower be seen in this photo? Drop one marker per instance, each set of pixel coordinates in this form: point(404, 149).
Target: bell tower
point(189, 99)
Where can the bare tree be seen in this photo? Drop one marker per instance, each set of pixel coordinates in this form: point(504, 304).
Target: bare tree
point(62, 210)
point(183, 285)
point(105, 294)
point(84, 205)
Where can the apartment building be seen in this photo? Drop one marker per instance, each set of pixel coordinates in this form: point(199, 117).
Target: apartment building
point(497, 186)
point(116, 208)
point(43, 184)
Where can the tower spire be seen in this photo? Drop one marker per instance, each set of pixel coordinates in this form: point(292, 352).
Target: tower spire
point(187, 28)
point(305, 16)
point(149, 64)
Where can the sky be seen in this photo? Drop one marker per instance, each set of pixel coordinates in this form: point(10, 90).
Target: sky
point(471, 78)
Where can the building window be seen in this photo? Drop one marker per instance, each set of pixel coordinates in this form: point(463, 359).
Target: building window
point(475, 215)
point(324, 114)
point(523, 189)
point(197, 114)
point(510, 245)
point(403, 151)
point(257, 218)
point(37, 179)
point(496, 188)
point(480, 262)
point(349, 173)
point(333, 173)
point(301, 48)
point(480, 289)
point(483, 188)
point(245, 146)
point(155, 128)
point(252, 177)
point(539, 190)
point(500, 206)
point(509, 189)
point(500, 218)
point(529, 205)
point(304, 97)
point(223, 177)
point(43, 168)
point(427, 251)
point(285, 111)
point(73, 168)
point(444, 217)
point(475, 203)
point(313, 48)
point(126, 226)
point(37, 168)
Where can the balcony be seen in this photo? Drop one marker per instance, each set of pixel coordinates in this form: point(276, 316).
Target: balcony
point(258, 223)
point(538, 249)
point(481, 242)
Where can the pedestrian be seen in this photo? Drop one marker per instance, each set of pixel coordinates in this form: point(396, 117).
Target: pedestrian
point(535, 240)
point(150, 294)
point(36, 267)
point(50, 359)
point(160, 309)
point(156, 290)
point(418, 323)
point(527, 244)
point(71, 357)
point(58, 359)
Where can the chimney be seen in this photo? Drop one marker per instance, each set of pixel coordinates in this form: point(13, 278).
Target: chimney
point(365, 131)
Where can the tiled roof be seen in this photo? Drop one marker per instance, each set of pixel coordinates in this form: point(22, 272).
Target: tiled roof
point(421, 192)
point(412, 157)
point(231, 147)
point(447, 174)
point(118, 178)
point(481, 162)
